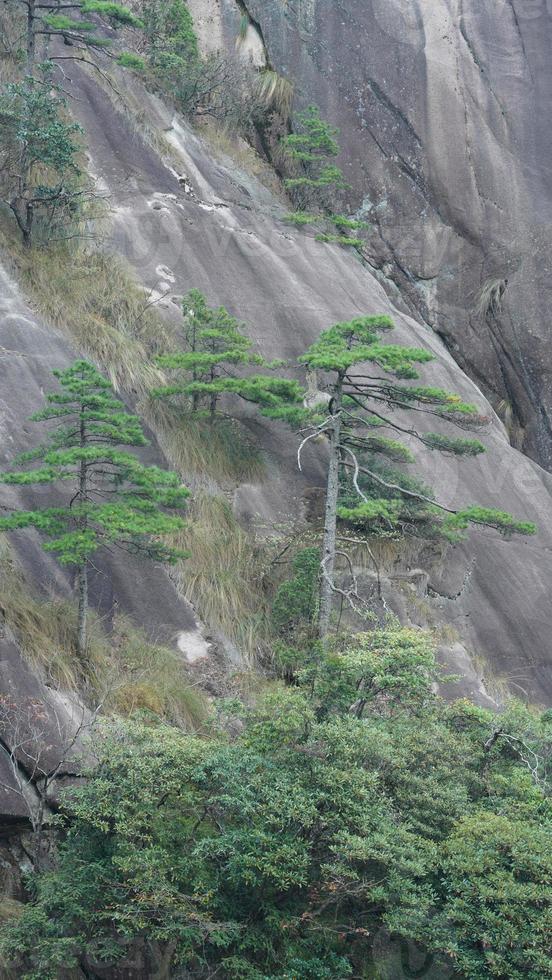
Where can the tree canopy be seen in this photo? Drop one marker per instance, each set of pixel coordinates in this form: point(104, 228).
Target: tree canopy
point(49, 19)
point(369, 388)
point(208, 367)
point(41, 180)
point(113, 498)
point(355, 804)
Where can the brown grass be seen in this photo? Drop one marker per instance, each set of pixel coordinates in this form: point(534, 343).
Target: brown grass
point(45, 630)
point(202, 450)
point(144, 677)
point(125, 669)
point(93, 297)
point(224, 576)
point(223, 143)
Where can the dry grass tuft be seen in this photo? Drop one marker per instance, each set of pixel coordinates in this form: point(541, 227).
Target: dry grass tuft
point(127, 670)
point(46, 630)
point(276, 92)
point(224, 576)
point(197, 448)
point(94, 297)
point(223, 143)
point(149, 678)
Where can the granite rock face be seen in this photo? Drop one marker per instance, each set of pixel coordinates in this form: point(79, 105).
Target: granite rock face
point(446, 152)
point(203, 223)
point(444, 108)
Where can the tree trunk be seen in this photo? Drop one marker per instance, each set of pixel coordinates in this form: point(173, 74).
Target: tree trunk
point(83, 568)
point(213, 397)
point(212, 407)
point(38, 828)
point(330, 523)
point(31, 37)
point(22, 220)
point(83, 610)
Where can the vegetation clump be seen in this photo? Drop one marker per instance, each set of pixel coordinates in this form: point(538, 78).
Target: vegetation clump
point(355, 801)
point(41, 181)
point(317, 181)
point(113, 498)
point(206, 370)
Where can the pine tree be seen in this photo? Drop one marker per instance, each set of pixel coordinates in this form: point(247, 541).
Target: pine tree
point(50, 19)
point(206, 370)
point(313, 147)
point(363, 402)
point(40, 179)
point(311, 150)
point(114, 499)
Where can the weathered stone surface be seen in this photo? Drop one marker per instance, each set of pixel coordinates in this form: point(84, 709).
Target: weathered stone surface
point(444, 112)
point(30, 351)
point(225, 238)
point(28, 354)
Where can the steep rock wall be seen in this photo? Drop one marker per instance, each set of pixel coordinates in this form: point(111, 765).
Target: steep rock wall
point(204, 223)
point(29, 352)
point(444, 112)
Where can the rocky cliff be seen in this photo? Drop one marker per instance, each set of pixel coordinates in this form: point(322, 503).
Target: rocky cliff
point(441, 111)
point(444, 112)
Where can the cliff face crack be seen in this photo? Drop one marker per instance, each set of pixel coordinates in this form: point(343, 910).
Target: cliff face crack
point(475, 58)
point(395, 111)
point(517, 24)
point(435, 593)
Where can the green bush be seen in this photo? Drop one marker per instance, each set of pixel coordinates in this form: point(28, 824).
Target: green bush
point(354, 800)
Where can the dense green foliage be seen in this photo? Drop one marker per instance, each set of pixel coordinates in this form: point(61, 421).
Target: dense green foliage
point(40, 179)
point(214, 346)
point(316, 182)
point(113, 498)
point(172, 42)
point(50, 19)
point(375, 493)
point(295, 611)
point(355, 801)
point(218, 84)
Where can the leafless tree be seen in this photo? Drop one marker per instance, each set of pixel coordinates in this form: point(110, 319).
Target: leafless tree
point(42, 741)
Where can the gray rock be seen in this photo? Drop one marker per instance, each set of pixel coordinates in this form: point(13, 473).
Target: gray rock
point(287, 288)
point(444, 112)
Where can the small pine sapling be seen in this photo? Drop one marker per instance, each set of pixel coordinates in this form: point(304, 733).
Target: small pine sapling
point(215, 348)
point(113, 498)
point(317, 181)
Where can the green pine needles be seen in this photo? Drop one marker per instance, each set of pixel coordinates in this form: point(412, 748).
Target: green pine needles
point(364, 486)
point(316, 182)
point(49, 19)
point(314, 145)
point(208, 368)
point(173, 45)
point(113, 498)
point(40, 178)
